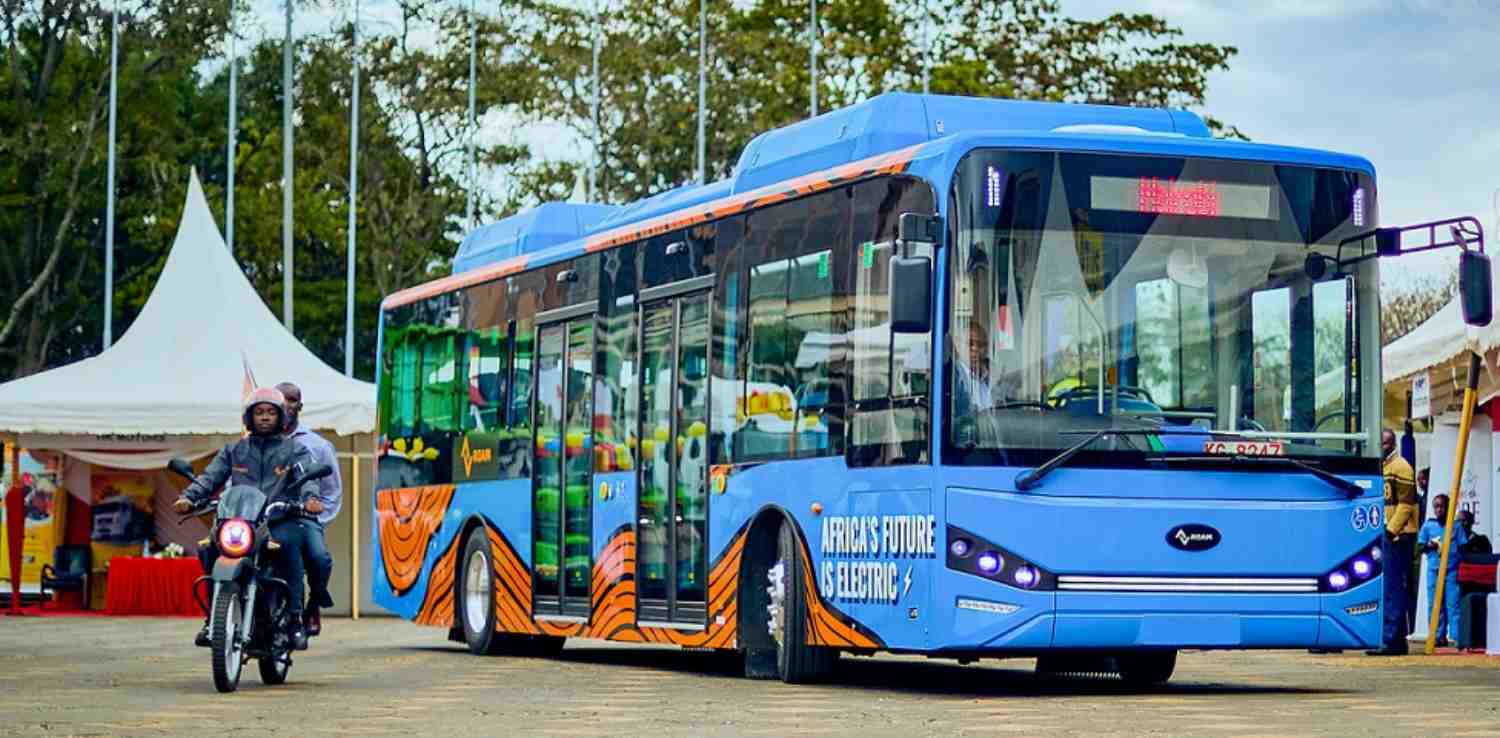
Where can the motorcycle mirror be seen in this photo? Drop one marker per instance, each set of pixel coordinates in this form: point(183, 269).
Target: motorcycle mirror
point(181, 468)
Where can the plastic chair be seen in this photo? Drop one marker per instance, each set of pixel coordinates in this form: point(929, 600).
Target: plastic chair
point(69, 571)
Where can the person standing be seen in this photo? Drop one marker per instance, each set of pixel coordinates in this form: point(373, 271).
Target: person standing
point(1414, 572)
point(1430, 543)
point(1479, 543)
point(322, 510)
point(1398, 545)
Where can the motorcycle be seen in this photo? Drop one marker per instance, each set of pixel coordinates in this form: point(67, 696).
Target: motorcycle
point(248, 613)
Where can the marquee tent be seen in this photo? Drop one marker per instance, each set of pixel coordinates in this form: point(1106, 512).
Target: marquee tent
point(172, 386)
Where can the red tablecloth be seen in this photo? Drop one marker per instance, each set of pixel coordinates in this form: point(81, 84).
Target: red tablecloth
point(141, 586)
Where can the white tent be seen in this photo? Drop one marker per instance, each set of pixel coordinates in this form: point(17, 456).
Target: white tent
point(1439, 339)
point(173, 382)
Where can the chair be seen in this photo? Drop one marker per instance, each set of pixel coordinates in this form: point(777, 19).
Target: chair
point(69, 571)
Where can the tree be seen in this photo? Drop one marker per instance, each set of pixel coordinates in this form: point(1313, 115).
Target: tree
point(54, 94)
point(759, 78)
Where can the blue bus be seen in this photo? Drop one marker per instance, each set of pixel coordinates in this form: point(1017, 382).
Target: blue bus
point(961, 377)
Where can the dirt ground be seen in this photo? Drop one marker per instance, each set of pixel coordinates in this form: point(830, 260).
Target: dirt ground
point(134, 676)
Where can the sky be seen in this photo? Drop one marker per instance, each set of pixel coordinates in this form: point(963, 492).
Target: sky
point(1411, 85)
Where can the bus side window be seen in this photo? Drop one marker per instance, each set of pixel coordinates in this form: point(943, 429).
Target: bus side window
point(615, 385)
point(890, 420)
point(728, 350)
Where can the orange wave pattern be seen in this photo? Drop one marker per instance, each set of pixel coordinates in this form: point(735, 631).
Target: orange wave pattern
point(826, 626)
point(614, 614)
point(437, 606)
point(406, 520)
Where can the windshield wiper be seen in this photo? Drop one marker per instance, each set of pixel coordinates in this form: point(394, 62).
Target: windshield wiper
point(1346, 486)
point(1027, 480)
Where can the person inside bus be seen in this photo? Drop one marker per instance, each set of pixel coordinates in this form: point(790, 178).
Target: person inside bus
point(1430, 542)
point(972, 389)
point(243, 462)
point(1398, 544)
point(318, 512)
point(1478, 543)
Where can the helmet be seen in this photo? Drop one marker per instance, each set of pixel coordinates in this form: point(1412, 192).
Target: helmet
point(265, 396)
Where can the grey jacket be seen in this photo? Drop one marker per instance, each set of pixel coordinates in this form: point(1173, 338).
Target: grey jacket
point(259, 461)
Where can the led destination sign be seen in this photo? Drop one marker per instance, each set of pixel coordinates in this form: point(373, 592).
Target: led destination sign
point(1202, 199)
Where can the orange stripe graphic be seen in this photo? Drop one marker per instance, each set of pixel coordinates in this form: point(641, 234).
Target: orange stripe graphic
point(406, 520)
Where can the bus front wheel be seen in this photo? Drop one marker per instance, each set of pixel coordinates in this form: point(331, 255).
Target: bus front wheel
point(797, 662)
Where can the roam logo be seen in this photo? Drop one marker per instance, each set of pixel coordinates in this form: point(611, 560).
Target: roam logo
point(472, 456)
point(1193, 537)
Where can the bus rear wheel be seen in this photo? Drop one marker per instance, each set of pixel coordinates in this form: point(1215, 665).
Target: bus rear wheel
point(1146, 668)
point(797, 662)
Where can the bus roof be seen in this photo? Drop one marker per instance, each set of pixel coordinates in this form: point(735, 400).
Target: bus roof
point(884, 134)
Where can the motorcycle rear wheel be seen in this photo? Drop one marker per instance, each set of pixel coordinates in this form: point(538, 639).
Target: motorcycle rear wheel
point(228, 649)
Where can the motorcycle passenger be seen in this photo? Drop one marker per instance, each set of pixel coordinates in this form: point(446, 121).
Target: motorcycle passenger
point(262, 459)
point(318, 512)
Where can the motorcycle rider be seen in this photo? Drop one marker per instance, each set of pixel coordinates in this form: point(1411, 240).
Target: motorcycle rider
point(319, 511)
point(262, 459)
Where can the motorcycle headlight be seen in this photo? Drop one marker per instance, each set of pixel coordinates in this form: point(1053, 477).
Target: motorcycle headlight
point(236, 538)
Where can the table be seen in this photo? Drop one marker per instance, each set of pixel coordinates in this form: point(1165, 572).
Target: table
point(145, 586)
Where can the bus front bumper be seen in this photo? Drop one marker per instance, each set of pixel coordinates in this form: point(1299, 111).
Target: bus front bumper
point(1107, 620)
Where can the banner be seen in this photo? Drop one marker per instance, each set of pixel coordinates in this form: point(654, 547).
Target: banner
point(44, 504)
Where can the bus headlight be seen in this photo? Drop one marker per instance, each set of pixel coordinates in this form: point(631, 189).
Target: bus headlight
point(1357, 569)
point(994, 562)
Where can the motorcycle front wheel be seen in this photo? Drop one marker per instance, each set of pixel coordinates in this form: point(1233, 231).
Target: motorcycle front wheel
point(228, 646)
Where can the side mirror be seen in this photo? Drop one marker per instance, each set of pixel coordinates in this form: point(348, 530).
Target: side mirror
point(1474, 287)
point(182, 469)
point(911, 293)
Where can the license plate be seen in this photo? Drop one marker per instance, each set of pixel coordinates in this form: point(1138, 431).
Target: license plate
point(1244, 448)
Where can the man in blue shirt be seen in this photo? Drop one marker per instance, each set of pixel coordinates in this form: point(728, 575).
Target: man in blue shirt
point(1430, 542)
point(317, 560)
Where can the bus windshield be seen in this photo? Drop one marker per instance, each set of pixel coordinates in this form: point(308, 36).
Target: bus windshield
point(1091, 291)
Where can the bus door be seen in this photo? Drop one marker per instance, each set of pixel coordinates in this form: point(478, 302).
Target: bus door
point(672, 506)
point(562, 468)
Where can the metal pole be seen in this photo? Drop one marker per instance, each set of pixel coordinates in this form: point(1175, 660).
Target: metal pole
point(702, 87)
point(473, 46)
point(357, 510)
point(286, 172)
point(594, 167)
point(109, 200)
point(1471, 394)
point(926, 46)
point(234, 131)
point(812, 34)
point(353, 198)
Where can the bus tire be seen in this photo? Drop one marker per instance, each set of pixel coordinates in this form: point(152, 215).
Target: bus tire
point(476, 597)
point(1146, 668)
point(797, 662)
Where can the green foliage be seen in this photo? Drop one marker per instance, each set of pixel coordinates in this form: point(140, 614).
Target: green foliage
point(534, 70)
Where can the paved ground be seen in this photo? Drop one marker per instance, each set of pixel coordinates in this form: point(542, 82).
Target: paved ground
point(98, 676)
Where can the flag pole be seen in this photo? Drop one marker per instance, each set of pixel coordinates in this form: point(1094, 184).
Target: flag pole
point(473, 46)
point(702, 87)
point(232, 144)
point(812, 35)
point(353, 198)
point(109, 207)
point(286, 172)
point(594, 89)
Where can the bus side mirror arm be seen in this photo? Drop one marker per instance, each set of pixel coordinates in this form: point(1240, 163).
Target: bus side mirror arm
point(1474, 286)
